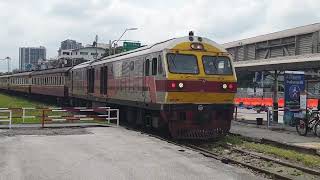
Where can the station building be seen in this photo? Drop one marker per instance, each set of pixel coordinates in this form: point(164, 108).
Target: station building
point(292, 49)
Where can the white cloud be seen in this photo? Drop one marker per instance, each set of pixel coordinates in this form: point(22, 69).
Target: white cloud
point(47, 23)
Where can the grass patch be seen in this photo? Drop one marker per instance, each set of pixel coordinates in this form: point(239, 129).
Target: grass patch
point(8, 101)
point(223, 142)
point(291, 155)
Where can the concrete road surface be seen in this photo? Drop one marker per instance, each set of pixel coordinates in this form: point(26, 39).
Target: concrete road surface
point(106, 153)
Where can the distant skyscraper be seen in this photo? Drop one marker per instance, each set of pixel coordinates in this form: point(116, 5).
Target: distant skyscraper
point(69, 44)
point(29, 57)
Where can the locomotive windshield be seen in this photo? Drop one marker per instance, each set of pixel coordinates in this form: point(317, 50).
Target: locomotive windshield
point(216, 65)
point(182, 63)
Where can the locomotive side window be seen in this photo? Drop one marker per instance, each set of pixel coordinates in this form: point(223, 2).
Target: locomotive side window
point(132, 65)
point(154, 66)
point(160, 65)
point(147, 67)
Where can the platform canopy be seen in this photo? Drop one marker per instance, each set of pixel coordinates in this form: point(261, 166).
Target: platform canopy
point(300, 62)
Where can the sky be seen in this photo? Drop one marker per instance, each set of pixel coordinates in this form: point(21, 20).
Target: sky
point(47, 23)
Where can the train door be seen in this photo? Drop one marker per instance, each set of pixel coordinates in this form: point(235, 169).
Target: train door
point(72, 81)
point(90, 80)
point(146, 71)
point(104, 80)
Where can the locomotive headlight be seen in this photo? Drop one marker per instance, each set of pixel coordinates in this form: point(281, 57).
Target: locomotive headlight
point(197, 46)
point(181, 85)
point(224, 86)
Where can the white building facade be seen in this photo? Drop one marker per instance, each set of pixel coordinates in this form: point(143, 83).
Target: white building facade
point(87, 53)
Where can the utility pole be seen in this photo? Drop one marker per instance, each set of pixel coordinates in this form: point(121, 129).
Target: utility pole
point(116, 41)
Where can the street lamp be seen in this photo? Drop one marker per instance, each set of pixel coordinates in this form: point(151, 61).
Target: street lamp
point(8, 60)
point(116, 41)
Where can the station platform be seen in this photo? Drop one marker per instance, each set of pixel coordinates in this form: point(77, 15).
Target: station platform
point(105, 153)
point(276, 134)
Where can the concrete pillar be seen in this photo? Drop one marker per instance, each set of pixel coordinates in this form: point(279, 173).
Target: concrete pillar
point(275, 97)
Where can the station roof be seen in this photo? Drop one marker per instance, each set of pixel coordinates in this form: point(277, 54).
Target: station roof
point(306, 61)
point(276, 35)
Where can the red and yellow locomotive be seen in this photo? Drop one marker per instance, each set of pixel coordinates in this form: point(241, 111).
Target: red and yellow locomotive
point(186, 85)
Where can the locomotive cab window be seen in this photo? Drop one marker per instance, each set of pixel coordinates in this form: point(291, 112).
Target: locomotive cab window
point(217, 65)
point(182, 63)
point(154, 66)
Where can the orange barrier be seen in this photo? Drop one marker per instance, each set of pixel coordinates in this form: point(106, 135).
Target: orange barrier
point(311, 103)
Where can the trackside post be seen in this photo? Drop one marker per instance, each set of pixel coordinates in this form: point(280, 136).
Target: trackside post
point(42, 119)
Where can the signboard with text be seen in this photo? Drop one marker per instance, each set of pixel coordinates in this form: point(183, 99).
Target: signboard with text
point(127, 46)
point(294, 86)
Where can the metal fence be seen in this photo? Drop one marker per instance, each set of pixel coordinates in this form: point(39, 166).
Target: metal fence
point(61, 114)
point(6, 116)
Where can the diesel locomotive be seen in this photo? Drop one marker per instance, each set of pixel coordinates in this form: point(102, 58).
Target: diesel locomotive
point(185, 85)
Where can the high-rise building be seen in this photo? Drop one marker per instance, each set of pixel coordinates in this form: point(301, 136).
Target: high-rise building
point(69, 44)
point(30, 56)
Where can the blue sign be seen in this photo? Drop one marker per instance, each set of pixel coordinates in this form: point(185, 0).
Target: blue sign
point(294, 85)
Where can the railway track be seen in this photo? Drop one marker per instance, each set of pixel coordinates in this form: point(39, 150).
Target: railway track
point(275, 168)
point(265, 165)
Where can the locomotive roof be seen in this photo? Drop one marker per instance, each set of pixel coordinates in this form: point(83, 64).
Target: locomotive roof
point(168, 44)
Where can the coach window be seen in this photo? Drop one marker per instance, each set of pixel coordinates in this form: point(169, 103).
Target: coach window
point(132, 65)
point(147, 67)
point(154, 66)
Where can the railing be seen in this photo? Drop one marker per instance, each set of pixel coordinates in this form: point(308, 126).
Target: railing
point(7, 118)
point(80, 117)
point(61, 114)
